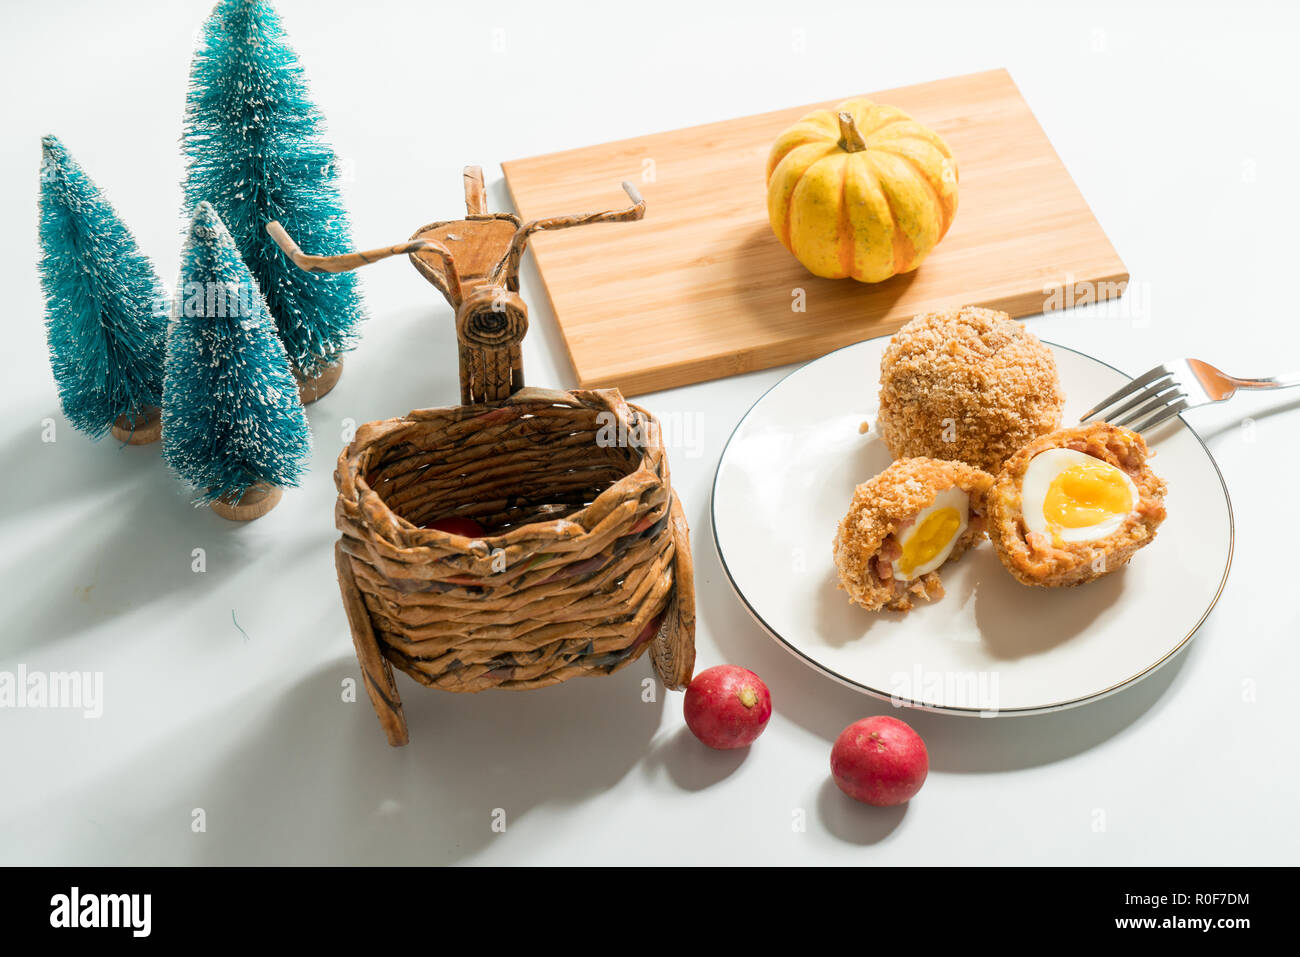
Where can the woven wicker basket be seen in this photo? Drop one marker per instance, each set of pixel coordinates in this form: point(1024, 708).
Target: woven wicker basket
point(585, 562)
point(591, 565)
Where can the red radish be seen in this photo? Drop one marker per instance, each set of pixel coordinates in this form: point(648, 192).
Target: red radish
point(458, 526)
point(879, 760)
point(727, 707)
point(650, 630)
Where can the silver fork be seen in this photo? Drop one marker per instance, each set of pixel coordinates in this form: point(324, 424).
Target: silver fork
point(1175, 387)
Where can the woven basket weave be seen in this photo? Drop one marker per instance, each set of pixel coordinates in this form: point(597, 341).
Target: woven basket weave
point(587, 565)
point(585, 561)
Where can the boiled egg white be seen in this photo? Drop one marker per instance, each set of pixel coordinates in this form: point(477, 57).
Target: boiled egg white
point(928, 541)
point(1071, 496)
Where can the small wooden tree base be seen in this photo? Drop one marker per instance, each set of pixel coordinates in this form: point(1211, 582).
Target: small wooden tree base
point(309, 390)
point(254, 503)
point(147, 427)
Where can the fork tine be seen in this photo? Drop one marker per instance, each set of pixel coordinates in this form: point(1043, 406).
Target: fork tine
point(1167, 412)
point(1163, 384)
point(1153, 406)
point(1127, 389)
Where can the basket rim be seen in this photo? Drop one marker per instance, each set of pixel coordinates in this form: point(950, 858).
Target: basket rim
point(651, 469)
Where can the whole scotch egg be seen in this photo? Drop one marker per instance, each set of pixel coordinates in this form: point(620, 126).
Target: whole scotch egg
point(970, 385)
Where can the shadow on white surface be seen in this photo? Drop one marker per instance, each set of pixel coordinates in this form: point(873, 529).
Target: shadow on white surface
point(134, 548)
point(853, 822)
point(407, 359)
point(691, 765)
point(311, 779)
point(843, 622)
point(68, 469)
point(956, 743)
point(1209, 435)
point(979, 745)
point(1011, 615)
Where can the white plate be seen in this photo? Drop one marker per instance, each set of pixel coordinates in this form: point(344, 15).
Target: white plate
point(991, 645)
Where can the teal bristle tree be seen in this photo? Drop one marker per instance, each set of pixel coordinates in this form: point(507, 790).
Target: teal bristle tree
point(233, 426)
point(254, 147)
point(106, 314)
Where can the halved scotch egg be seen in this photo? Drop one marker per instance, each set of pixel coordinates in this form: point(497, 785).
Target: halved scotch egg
point(1075, 505)
point(903, 525)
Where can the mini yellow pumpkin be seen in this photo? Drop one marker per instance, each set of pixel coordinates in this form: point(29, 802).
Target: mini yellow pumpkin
point(862, 190)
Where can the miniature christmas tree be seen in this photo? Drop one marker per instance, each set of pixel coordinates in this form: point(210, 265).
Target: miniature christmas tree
point(106, 314)
point(233, 426)
point(255, 151)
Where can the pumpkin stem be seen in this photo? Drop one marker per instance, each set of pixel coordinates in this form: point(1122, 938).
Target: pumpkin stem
point(851, 140)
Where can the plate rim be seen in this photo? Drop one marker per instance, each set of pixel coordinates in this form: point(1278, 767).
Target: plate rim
point(899, 701)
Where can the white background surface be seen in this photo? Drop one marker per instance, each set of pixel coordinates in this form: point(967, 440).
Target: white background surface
point(1177, 122)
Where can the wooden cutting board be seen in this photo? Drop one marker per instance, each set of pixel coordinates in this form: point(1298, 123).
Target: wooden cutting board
point(701, 288)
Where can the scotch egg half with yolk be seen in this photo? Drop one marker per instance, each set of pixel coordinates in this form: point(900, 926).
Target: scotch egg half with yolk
point(1071, 496)
point(927, 542)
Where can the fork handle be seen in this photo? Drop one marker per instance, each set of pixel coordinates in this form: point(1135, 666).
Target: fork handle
point(1284, 381)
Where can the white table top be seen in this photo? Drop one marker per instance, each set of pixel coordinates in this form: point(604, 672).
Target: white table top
point(1179, 129)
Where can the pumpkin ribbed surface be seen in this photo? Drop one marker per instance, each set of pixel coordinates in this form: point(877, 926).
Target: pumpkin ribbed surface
point(863, 191)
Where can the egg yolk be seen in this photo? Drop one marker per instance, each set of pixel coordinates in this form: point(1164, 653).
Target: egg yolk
point(929, 539)
point(1086, 494)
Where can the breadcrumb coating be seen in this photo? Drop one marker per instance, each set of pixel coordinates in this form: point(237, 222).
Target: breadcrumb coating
point(884, 504)
point(1034, 559)
point(970, 385)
